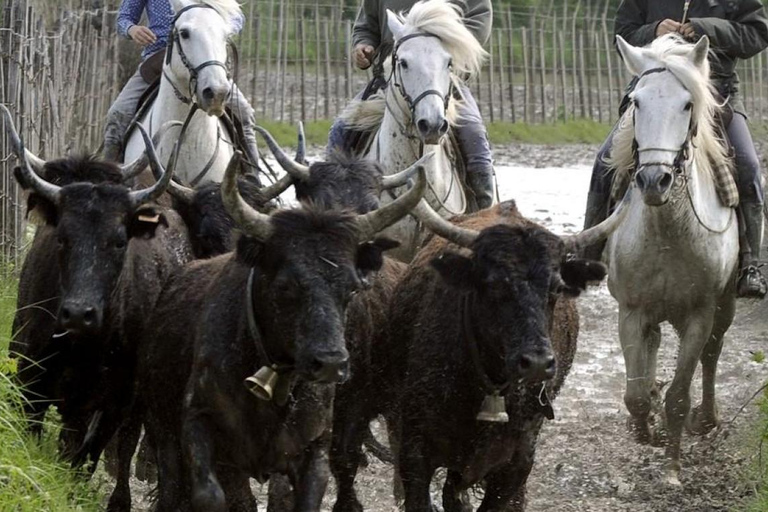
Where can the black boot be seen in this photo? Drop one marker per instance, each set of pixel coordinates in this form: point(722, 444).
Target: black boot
point(480, 182)
point(251, 167)
point(597, 211)
point(751, 282)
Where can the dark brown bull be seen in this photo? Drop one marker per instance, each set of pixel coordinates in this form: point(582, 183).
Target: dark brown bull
point(491, 316)
point(296, 272)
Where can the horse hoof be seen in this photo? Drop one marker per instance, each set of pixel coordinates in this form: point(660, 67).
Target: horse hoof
point(700, 422)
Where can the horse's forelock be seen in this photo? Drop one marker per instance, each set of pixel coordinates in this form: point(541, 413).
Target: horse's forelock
point(227, 8)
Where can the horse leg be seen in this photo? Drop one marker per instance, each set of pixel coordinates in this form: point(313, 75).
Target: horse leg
point(638, 338)
point(693, 337)
point(704, 417)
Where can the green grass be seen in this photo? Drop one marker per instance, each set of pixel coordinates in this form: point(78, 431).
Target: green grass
point(757, 477)
point(758, 356)
point(578, 131)
point(31, 476)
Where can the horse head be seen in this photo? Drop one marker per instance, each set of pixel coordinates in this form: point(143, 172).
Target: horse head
point(670, 103)
point(196, 61)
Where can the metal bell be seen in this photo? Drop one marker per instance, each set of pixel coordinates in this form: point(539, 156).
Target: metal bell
point(494, 409)
point(262, 383)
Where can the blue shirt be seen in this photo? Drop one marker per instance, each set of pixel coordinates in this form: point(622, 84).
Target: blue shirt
point(159, 17)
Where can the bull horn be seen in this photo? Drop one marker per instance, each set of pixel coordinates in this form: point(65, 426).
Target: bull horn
point(295, 169)
point(181, 193)
point(136, 167)
point(401, 178)
point(574, 243)
point(29, 172)
point(301, 150)
point(252, 222)
point(140, 197)
point(277, 188)
point(373, 222)
point(460, 236)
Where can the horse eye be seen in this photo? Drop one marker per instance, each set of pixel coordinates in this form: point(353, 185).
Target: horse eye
point(689, 106)
point(404, 64)
point(184, 33)
point(450, 64)
point(636, 104)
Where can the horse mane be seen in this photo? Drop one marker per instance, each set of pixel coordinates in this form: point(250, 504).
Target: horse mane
point(709, 150)
point(445, 20)
point(227, 8)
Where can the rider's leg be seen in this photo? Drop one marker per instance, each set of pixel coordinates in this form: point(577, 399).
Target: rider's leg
point(599, 198)
point(242, 110)
point(751, 281)
point(473, 140)
point(120, 116)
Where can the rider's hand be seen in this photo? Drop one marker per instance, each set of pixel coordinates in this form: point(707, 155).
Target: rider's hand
point(363, 55)
point(688, 31)
point(667, 26)
point(142, 35)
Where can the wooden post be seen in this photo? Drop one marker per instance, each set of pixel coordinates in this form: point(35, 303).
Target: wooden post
point(279, 59)
point(500, 60)
point(270, 25)
point(543, 74)
point(348, 60)
point(491, 82)
point(317, 61)
point(326, 34)
point(612, 110)
point(574, 62)
point(303, 83)
point(511, 51)
point(527, 77)
point(583, 93)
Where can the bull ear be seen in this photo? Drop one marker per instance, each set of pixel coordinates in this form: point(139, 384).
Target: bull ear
point(370, 255)
point(577, 274)
point(145, 222)
point(455, 269)
point(41, 211)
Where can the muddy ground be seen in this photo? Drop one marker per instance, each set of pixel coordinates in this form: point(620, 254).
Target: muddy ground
point(586, 461)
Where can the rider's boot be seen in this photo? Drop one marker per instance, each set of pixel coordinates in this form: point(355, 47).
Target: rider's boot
point(751, 282)
point(244, 113)
point(480, 181)
point(112, 152)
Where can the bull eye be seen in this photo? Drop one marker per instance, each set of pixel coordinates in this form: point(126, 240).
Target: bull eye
point(184, 33)
point(119, 244)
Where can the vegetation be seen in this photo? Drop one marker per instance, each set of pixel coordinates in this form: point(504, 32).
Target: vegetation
point(759, 477)
point(31, 477)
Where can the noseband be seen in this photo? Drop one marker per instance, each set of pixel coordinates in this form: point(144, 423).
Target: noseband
point(678, 166)
point(396, 78)
point(194, 71)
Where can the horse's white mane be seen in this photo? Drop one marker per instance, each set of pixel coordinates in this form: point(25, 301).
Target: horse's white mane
point(671, 52)
point(445, 20)
point(227, 8)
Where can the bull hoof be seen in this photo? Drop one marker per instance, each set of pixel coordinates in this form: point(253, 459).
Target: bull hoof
point(119, 502)
point(639, 429)
point(701, 422)
point(146, 472)
point(347, 506)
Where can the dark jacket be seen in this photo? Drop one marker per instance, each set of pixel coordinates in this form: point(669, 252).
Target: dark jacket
point(737, 29)
point(371, 24)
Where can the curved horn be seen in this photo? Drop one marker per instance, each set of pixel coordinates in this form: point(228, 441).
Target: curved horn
point(181, 193)
point(297, 170)
point(373, 222)
point(140, 197)
point(29, 173)
point(574, 243)
point(460, 236)
point(136, 167)
point(277, 188)
point(252, 222)
point(301, 150)
point(401, 178)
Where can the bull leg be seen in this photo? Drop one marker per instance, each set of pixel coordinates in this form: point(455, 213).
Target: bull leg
point(146, 465)
point(281, 496)
point(638, 336)
point(207, 494)
point(238, 491)
point(311, 479)
point(704, 417)
point(693, 337)
point(171, 480)
point(127, 439)
point(350, 426)
point(416, 471)
point(505, 488)
point(454, 498)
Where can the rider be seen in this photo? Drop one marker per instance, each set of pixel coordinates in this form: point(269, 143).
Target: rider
point(737, 29)
point(154, 39)
point(372, 44)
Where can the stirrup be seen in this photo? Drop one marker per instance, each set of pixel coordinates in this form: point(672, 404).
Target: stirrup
point(751, 283)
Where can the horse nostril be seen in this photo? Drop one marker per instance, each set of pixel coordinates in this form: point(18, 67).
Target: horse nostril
point(444, 128)
point(423, 126)
point(208, 94)
point(666, 181)
point(640, 180)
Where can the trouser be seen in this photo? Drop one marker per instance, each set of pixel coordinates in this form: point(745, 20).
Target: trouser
point(470, 132)
point(123, 110)
point(747, 180)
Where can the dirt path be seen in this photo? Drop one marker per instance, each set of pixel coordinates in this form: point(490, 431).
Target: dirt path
point(586, 461)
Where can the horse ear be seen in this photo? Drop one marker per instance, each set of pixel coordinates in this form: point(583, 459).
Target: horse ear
point(178, 5)
point(395, 25)
point(700, 52)
point(632, 56)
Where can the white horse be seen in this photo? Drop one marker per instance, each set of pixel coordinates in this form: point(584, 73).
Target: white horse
point(675, 256)
point(195, 73)
point(413, 113)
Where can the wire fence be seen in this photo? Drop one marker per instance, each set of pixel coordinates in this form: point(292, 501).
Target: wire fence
point(62, 64)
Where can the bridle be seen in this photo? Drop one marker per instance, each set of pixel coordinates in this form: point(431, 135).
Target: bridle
point(396, 79)
point(194, 71)
point(679, 165)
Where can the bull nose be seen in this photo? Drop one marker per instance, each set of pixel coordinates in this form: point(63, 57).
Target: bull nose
point(537, 366)
point(78, 317)
point(330, 367)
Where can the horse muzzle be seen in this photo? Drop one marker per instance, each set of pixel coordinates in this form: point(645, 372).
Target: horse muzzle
point(213, 100)
point(655, 183)
point(431, 131)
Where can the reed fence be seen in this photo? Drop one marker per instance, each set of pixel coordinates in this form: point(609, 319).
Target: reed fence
point(62, 64)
